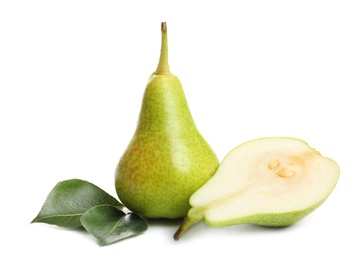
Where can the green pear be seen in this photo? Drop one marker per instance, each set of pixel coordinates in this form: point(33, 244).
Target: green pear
point(272, 181)
point(167, 159)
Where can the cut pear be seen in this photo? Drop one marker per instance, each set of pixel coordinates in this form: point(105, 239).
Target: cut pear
point(273, 181)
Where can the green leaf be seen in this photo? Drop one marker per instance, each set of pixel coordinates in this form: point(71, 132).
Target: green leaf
point(69, 199)
point(109, 224)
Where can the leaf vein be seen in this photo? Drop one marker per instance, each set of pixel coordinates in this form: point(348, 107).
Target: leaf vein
point(59, 216)
point(115, 226)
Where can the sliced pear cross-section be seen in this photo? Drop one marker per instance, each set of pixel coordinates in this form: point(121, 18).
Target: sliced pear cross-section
point(273, 181)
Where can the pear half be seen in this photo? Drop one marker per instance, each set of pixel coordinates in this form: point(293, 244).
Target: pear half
point(272, 181)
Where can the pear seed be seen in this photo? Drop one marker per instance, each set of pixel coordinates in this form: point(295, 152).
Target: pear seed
point(274, 164)
point(285, 173)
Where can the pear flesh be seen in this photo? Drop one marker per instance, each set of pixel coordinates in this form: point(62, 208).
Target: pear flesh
point(274, 181)
point(167, 159)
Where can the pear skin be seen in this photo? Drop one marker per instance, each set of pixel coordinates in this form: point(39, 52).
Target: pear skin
point(167, 159)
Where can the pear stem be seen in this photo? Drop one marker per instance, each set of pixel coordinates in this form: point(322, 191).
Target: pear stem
point(188, 222)
point(163, 67)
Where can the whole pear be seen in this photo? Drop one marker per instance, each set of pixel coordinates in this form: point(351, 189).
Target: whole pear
point(167, 159)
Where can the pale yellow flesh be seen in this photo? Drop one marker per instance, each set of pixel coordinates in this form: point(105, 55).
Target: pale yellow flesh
point(266, 176)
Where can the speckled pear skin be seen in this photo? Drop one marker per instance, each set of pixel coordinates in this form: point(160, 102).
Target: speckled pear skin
point(167, 159)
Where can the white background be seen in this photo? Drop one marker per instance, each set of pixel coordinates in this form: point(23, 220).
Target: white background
point(72, 76)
